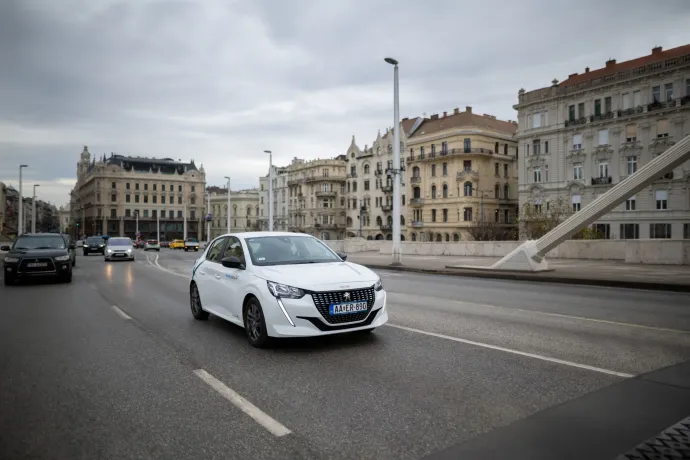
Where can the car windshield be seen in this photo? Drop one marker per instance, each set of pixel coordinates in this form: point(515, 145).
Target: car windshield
point(192, 240)
point(94, 240)
point(119, 242)
point(40, 242)
point(289, 250)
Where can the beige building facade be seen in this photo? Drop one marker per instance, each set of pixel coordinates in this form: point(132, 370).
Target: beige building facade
point(112, 192)
point(280, 199)
point(245, 212)
point(584, 135)
point(316, 197)
point(461, 173)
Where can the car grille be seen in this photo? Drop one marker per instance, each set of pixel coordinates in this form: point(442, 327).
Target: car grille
point(23, 267)
point(323, 301)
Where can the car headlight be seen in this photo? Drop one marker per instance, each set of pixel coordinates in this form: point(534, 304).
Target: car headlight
point(101, 245)
point(129, 250)
point(62, 258)
point(11, 260)
point(284, 291)
point(110, 251)
point(378, 286)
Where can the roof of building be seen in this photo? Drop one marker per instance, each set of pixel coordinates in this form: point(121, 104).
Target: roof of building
point(457, 119)
point(142, 164)
point(407, 124)
point(612, 67)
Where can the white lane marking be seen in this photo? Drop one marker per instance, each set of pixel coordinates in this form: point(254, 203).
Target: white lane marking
point(515, 352)
point(124, 315)
point(263, 419)
point(546, 313)
point(155, 261)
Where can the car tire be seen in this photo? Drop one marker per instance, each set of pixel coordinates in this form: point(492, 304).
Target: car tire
point(86, 254)
point(196, 249)
point(158, 250)
point(198, 311)
point(186, 249)
point(74, 262)
point(255, 324)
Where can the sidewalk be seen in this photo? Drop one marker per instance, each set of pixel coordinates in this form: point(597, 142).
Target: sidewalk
point(571, 271)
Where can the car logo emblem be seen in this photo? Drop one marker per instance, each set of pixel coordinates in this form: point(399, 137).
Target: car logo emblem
point(346, 296)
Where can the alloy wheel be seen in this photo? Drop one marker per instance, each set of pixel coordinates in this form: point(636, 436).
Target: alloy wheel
point(254, 322)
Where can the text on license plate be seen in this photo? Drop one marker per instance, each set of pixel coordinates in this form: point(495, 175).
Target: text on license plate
point(37, 264)
point(348, 307)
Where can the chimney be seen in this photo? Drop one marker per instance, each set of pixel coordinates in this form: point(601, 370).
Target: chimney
point(468, 109)
point(572, 75)
point(610, 63)
point(586, 69)
point(657, 50)
point(456, 111)
point(405, 119)
point(445, 114)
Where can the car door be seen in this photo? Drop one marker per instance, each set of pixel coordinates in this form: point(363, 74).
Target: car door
point(206, 273)
point(231, 281)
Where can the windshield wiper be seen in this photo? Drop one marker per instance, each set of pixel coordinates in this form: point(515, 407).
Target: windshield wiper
point(44, 247)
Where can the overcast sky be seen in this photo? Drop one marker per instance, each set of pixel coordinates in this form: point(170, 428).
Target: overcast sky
point(219, 81)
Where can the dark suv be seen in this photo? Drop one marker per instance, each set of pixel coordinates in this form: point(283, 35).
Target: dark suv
point(38, 255)
point(94, 245)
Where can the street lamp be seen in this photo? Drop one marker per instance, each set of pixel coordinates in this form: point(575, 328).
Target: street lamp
point(481, 212)
point(33, 210)
point(228, 213)
point(208, 216)
point(136, 217)
point(270, 190)
point(20, 222)
point(396, 164)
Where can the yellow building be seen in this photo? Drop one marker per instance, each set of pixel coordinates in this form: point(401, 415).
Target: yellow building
point(462, 176)
point(245, 213)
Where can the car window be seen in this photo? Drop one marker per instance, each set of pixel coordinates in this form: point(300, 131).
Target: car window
point(286, 250)
point(234, 248)
point(119, 242)
point(40, 242)
point(216, 250)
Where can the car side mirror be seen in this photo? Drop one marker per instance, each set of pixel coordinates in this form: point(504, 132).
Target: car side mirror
point(342, 255)
point(4, 248)
point(232, 262)
point(72, 246)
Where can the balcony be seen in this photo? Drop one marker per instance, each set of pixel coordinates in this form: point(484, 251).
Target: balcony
point(606, 180)
point(630, 111)
point(601, 117)
point(378, 172)
point(415, 179)
point(416, 202)
point(387, 208)
point(417, 224)
point(296, 181)
point(387, 189)
point(325, 194)
point(449, 152)
point(324, 178)
point(352, 175)
point(576, 122)
point(467, 175)
point(667, 176)
point(386, 227)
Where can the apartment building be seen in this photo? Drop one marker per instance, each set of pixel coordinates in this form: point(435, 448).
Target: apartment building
point(64, 220)
point(582, 136)
point(280, 201)
point(112, 193)
point(245, 211)
point(316, 197)
point(462, 173)
point(369, 186)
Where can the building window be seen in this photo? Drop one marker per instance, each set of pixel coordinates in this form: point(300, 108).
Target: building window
point(113, 198)
point(467, 189)
point(603, 137)
point(467, 215)
point(546, 173)
point(505, 171)
point(603, 229)
point(546, 146)
point(536, 120)
point(632, 165)
point(146, 212)
point(662, 128)
point(128, 213)
point(113, 213)
point(366, 183)
point(433, 215)
point(607, 104)
point(660, 231)
point(497, 170)
point(603, 169)
point(506, 192)
point(127, 198)
point(581, 110)
point(497, 191)
point(179, 214)
point(536, 147)
point(146, 198)
point(155, 199)
point(445, 215)
point(127, 186)
point(467, 165)
point(146, 186)
point(433, 170)
point(113, 185)
point(193, 188)
point(577, 202)
point(668, 89)
point(571, 113)
point(631, 133)
point(444, 169)
point(433, 192)
point(661, 199)
point(179, 200)
point(630, 231)
point(445, 190)
point(505, 149)
point(577, 171)
point(136, 198)
point(597, 107)
point(467, 145)
point(537, 175)
point(577, 141)
point(630, 203)
point(637, 98)
point(686, 227)
point(506, 216)
point(625, 101)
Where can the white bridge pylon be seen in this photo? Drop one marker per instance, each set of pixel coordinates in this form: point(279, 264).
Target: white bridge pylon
point(529, 256)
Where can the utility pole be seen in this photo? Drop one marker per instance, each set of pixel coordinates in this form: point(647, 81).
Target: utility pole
point(270, 190)
point(20, 217)
point(33, 210)
point(208, 217)
point(396, 171)
point(228, 213)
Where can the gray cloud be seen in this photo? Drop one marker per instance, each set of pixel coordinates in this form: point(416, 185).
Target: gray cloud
point(220, 81)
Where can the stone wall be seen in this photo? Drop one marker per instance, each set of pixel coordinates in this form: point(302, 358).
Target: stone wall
point(665, 252)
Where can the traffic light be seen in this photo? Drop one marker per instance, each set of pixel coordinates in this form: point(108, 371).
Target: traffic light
point(77, 224)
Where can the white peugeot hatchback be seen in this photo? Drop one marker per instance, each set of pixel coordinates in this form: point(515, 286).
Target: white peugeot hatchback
point(278, 284)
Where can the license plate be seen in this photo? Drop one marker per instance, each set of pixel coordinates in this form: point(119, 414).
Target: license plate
point(348, 307)
point(37, 264)
point(120, 255)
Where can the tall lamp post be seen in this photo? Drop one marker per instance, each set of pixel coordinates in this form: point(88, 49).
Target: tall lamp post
point(396, 165)
point(136, 230)
point(33, 210)
point(228, 213)
point(270, 190)
point(20, 221)
point(208, 216)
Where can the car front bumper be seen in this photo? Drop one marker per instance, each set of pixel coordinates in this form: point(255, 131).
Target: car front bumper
point(62, 268)
point(309, 322)
point(113, 256)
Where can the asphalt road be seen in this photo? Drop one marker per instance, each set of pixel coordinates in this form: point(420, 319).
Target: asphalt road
point(111, 366)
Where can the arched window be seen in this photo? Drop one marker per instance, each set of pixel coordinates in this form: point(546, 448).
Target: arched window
point(366, 169)
point(249, 211)
point(467, 188)
point(379, 221)
point(444, 169)
point(349, 221)
point(497, 191)
point(413, 237)
point(456, 237)
point(433, 170)
point(506, 192)
point(439, 238)
point(390, 220)
point(445, 190)
point(402, 220)
point(234, 209)
point(433, 192)
point(447, 236)
point(415, 171)
point(417, 192)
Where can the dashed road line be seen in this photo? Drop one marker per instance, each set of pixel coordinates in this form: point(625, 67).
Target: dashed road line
point(515, 352)
point(124, 315)
point(263, 419)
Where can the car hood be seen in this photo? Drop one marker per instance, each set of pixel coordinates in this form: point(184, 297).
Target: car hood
point(37, 253)
point(319, 277)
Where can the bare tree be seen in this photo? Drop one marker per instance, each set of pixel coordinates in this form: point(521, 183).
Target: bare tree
point(536, 220)
point(492, 231)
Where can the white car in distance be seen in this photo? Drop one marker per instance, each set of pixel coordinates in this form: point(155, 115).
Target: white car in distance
point(118, 248)
point(277, 284)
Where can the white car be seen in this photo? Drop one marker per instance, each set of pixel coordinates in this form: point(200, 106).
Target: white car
point(119, 248)
point(278, 284)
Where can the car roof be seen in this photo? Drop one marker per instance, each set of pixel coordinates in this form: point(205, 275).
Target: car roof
point(246, 235)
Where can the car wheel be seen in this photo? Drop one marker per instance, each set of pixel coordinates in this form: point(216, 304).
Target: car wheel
point(158, 250)
point(195, 303)
point(185, 249)
point(255, 324)
point(86, 254)
point(196, 249)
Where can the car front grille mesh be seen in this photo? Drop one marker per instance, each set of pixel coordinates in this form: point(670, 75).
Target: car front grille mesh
point(323, 301)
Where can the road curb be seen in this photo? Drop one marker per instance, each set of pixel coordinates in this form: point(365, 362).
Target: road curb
point(538, 277)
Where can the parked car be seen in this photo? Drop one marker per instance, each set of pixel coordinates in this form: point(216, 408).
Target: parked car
point(152, 245)
point(94, 245)
point(191, 244)
point(119, 248)
point(38, 255)
point(277, 284)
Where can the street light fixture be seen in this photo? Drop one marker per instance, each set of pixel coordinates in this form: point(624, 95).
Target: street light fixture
point(228, 213)
point(270, 190)
point(33, 210)
point(20, 222)
point(396, 171)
